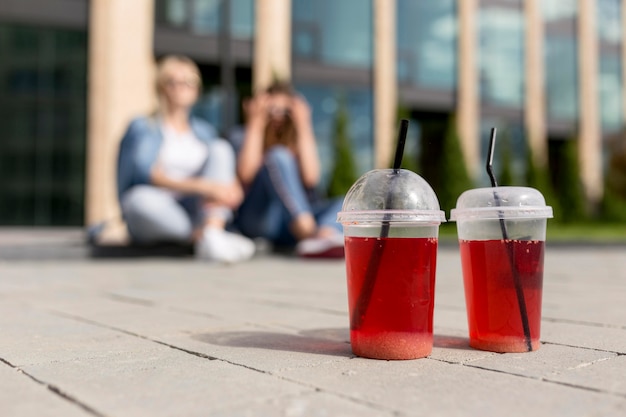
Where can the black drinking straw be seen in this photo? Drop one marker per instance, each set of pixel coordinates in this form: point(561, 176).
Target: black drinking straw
point(362, 303)
point(516, 278)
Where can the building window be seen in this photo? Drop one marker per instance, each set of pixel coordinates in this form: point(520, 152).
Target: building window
point(325, 101)
point(332, 54)
point(426, 39)
point(561, 59)
point(42, 105)
point(333, 32)
point(204, 17)
point(502, 54)
point(609, 21)
point(610, 85)
point(562, 77)
point(609, 27)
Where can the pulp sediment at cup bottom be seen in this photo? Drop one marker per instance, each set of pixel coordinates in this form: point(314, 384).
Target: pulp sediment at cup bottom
point(505, 344)
point(391, 345)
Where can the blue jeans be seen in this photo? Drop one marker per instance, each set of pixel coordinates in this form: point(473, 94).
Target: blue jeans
point(277, 196)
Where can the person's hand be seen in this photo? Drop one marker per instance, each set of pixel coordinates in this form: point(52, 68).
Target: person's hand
point(300, 111)
point(257, 107)
point(229, 195)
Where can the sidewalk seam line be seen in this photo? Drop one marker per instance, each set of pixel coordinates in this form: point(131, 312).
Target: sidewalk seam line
point(544, 379)
point(584, 347)
point(583, 323)
point(56, 390)
point(204, 356)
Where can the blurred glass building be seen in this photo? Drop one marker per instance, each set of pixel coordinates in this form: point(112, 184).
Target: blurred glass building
point(74, 72)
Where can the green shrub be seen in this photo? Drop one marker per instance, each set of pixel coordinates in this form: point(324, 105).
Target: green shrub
point(505, 159)
point(616, 172)
point(411, 156)
point(539, 178)
point(452, 175)
point(612, 206)
point(569, 187)
point(344, 172)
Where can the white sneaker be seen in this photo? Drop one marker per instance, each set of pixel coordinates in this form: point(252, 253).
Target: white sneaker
point(218, 245)
point(321, 247)
point(244, 246)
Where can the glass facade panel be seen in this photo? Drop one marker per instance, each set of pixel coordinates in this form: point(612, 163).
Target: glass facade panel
point(502, 55)
point(561, 59)
point(609, 27)
point(174, 12)
point(609, 21)
point(204, 16)
point(42, 106)
point(426, 39)
point(555, 10)
point(324, 101)
point(562, 77)
point(242, 19)
point(336, 36)
point(333, 32)
point(610, 85)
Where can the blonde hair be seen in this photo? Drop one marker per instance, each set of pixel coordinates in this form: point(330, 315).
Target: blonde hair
point(164, 71)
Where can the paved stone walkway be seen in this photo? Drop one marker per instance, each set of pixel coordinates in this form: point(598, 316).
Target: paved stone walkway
point(173, 337)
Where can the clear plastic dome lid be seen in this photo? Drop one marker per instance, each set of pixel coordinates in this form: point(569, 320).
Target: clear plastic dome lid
point(501, 202)
point(387, 195)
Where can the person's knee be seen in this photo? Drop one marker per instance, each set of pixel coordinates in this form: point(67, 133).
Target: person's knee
point(222, 150)
point(303, 226)
point(220, 164)
point(280, 155)
point(152, 216)
point(140, 199)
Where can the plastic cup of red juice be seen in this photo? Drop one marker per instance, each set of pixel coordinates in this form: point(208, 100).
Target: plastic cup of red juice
point(502, 233)
point(391, 223)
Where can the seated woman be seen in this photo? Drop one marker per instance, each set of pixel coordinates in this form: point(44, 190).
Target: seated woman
point(279, 167)
point(176, 180)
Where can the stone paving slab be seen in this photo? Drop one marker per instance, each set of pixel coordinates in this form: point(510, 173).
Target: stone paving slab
point(155, 337)
point(22, 396)
point(134, 384)
point(425, 387)
point(315, 404)
point(592, 336)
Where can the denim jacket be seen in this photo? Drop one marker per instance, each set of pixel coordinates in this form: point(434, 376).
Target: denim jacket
point(140, 147)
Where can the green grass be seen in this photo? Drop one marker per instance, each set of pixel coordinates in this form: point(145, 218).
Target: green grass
point(593, 232)
point(586, 232)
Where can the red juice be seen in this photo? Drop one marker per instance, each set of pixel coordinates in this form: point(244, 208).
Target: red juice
point(493, 312)
point(397, 322)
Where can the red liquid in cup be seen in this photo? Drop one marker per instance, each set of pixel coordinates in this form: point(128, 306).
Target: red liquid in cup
point(495, 322)
point(398, 321)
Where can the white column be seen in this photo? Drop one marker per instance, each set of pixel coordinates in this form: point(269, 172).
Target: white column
point(534, 104)
point(120, 73)
point(590, 137)
point(272, 42)
point(385, 83)
point(468, 105)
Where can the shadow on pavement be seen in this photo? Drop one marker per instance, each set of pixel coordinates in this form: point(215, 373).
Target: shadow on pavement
point(451, 342)
point(321, 341)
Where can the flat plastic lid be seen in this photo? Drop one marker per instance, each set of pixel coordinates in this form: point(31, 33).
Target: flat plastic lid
point(501, 202)
point(386, 195)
